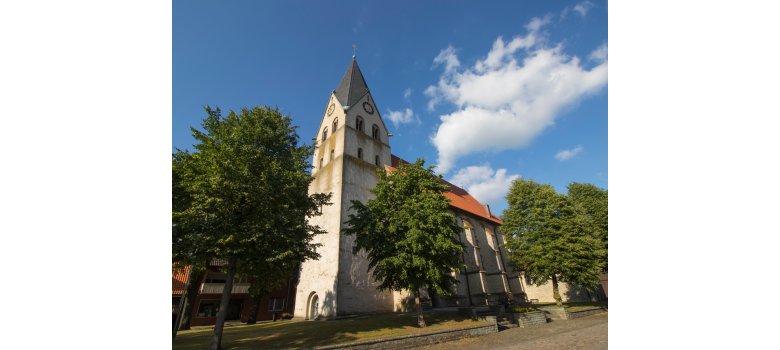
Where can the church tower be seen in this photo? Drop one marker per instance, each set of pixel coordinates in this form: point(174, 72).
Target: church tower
point(351, 144)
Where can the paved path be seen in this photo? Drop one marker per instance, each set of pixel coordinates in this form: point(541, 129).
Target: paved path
point(586, 333)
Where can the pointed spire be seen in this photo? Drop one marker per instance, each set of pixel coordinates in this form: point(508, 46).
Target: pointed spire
point(352, 86)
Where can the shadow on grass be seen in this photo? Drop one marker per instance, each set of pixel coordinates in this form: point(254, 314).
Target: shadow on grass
point(306, 334)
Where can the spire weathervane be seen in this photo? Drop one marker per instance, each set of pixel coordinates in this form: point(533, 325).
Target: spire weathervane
point(354, 49)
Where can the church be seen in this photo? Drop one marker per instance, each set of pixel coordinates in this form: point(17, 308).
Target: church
point(352, 142)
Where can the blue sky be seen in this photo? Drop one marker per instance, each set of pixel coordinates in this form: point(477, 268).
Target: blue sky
point(532, 104)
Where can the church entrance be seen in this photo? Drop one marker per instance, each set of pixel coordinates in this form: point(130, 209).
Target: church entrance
point(314, 307)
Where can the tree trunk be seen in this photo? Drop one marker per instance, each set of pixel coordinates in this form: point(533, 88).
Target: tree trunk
point(252, 319)
point(216, 339)
point(556, 294)
point(420, 319)
point(192, 294)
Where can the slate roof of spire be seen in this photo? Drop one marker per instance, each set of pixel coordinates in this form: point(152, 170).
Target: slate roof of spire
point(352, 86)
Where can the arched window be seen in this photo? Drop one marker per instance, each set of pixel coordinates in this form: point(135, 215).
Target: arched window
point(359, 123)
point(491, 238)
point(375, 132)
point(325, 133)
point(467, 232)
point(360, 153)
point(376, 160)
point(335, 124)
point(331, 153)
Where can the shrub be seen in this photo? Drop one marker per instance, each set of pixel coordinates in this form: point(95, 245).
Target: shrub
point(523, 309)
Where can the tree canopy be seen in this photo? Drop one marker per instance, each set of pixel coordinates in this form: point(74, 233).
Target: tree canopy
point(549, 240)
point(593, 202)
point(408, 233)
point(242, 195)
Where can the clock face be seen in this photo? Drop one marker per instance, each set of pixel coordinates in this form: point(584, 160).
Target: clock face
point(368, 108)
point(331, 108)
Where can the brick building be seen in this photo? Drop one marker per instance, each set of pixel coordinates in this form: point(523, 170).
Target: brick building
point(206, 303)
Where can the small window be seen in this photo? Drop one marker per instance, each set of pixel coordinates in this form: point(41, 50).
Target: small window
point(332, 152)
point(360, 153)
point(376, 160)
point(325, 133)
point(275, 304)
point(359, 123)
point(208, 308)
point(375, 132)
point(335, 124)
point(320, 163)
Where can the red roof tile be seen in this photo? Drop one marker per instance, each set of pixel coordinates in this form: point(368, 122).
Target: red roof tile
point(459, 198)
point(180, 280)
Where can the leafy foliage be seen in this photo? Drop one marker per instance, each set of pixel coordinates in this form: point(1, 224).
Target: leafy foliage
point(549, 239)
point(593, 202)
point(243, 194)
point(410, 237)
point(523, 309)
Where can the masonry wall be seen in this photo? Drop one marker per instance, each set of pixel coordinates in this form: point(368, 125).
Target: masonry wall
point(544, 293)
point(319, 277)
point(358, 291)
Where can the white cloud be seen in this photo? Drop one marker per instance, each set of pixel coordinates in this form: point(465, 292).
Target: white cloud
point(448, 58)
point(583, 8)
point(405, 116)
point(407, 93)
point(599, 54)
point(568, 153)
point(484, 183)
point(503, 103)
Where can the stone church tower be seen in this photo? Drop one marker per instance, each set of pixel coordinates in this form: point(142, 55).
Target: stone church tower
point(352, 143)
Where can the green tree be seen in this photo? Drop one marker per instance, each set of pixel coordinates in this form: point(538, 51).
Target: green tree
point(243, 192)
point(593, 202)
point(548, 239)
point(410, 237)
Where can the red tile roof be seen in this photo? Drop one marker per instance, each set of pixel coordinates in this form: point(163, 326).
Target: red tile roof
point(459, 198)
point(180, 280)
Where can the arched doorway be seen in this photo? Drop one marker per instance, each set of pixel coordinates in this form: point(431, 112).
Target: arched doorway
point(314, 307)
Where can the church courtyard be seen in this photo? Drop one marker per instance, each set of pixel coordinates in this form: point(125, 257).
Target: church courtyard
point(306, 334)
point(586, 333)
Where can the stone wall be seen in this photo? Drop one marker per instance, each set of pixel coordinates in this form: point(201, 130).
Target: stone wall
point(583, 313)
point(529, 319)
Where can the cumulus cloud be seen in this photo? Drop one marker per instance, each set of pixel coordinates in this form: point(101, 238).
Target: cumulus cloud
point(504, 101)
point(600, 54)
point(484, 183)
point(583, 8)
point(405, 116)
point(568, 153)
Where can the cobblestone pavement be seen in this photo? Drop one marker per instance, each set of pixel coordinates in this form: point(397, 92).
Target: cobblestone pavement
point(586, 333)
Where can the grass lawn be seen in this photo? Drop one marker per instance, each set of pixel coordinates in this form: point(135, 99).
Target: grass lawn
point(306, 334)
